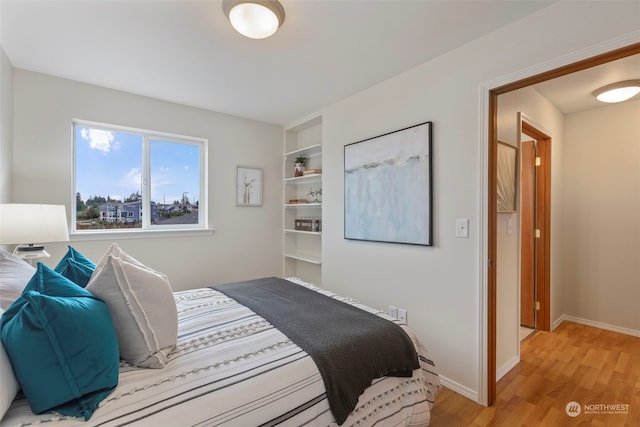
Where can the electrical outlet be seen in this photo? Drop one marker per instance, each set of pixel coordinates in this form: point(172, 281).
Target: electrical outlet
point(402, 315)
point(393, 311)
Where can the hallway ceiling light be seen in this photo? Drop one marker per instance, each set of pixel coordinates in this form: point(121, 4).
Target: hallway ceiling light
point(256, 19)
point(618, 92)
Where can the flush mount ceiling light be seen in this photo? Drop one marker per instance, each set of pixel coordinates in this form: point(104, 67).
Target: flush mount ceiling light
point(256, 19)
point(618, 92)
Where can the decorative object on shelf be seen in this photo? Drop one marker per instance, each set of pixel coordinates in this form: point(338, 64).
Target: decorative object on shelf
point(308, 224)
point(300, 161)
point(298, 201)
point(506, 178)
point(256, 19)
point(27, 224)
point(312, 172)
point(248, 186)
point(315, 193)
point(388, 187)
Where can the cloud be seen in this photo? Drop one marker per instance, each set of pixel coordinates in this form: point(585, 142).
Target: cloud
point(132, 179)
point(101, 140)
point(164, 170)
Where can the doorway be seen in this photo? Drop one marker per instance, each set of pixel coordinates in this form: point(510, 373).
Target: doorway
point(491, 244)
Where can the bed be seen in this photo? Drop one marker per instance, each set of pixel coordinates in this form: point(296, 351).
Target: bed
point(232, 367)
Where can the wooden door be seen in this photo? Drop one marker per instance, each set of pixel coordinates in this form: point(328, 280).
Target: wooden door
point(527, 234)
point(539, 225)
point(543, 240)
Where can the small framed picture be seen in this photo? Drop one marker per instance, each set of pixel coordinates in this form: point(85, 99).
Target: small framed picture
point(248, 186)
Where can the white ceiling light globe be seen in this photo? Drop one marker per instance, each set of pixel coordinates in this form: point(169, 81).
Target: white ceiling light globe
point(253, 20)
point(619, 95)
point(618, 92)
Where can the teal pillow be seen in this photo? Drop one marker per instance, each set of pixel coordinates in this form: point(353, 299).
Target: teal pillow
point(62, 345)
point(76, 267)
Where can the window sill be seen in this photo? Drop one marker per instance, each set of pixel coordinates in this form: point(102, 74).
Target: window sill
point(137, 234)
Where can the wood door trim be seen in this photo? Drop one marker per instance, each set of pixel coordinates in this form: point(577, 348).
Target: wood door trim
point(527, 204)
point(492, 131)
point(543, 284)
point(543, 223)
point(492, 247)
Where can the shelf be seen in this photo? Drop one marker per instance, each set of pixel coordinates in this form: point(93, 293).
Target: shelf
point(311, 151)
point(303, 257)
point(302, 250)
point(312, 233)
point(307, 179)
point(303, 205)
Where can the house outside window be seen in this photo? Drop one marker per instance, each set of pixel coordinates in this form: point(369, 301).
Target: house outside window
point(135, 180)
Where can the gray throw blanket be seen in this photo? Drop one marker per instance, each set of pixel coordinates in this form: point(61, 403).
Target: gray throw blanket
point(351, 347)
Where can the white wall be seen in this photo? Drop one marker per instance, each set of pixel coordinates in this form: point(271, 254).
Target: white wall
point(541, 112)
point(6, 127)
point(441, 286)
point(247, 241)
point(600, 248)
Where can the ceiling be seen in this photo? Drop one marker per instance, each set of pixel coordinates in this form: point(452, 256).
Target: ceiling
point(186, 51)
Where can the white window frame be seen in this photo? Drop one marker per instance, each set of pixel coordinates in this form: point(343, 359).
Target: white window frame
point(147, 229)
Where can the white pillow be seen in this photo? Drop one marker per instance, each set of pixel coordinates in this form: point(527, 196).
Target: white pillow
point(10, 386)
point(15, 273)
point(141, 305)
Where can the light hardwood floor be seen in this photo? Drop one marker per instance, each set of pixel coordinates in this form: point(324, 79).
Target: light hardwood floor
point(574, 363)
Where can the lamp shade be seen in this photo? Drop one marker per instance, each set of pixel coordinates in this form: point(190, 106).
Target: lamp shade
point(32, 223)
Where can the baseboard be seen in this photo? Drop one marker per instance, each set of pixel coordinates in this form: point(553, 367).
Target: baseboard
point(600, 325)
point(502, 371)
point(459, 388)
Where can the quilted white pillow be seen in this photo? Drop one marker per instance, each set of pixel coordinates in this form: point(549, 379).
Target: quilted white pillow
point(142, 307)
point(9, 386)
point(14, 276)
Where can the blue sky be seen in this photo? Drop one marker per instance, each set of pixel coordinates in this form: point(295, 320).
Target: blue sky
point(109, 163)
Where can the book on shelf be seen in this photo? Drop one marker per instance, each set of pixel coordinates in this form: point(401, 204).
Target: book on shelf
point(312, 171)
point(298, 201)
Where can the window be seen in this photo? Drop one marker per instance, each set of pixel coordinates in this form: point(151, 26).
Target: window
point(135, 180)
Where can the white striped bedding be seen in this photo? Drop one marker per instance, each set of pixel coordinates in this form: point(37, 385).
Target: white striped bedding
point(232, 368)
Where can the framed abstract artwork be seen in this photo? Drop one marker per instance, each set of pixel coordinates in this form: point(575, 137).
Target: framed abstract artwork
point(388, 187)
point(506, 178)
point(248, 186)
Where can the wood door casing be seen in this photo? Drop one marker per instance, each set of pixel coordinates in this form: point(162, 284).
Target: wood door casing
point(527, 236)
point(543, 244)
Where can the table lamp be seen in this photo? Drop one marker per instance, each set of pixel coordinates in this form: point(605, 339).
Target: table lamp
point(26, 224)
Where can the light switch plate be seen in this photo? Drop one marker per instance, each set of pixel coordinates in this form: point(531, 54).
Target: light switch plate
point(462, 227)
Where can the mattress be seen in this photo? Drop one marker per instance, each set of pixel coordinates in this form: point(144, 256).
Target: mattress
point(233, 368)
